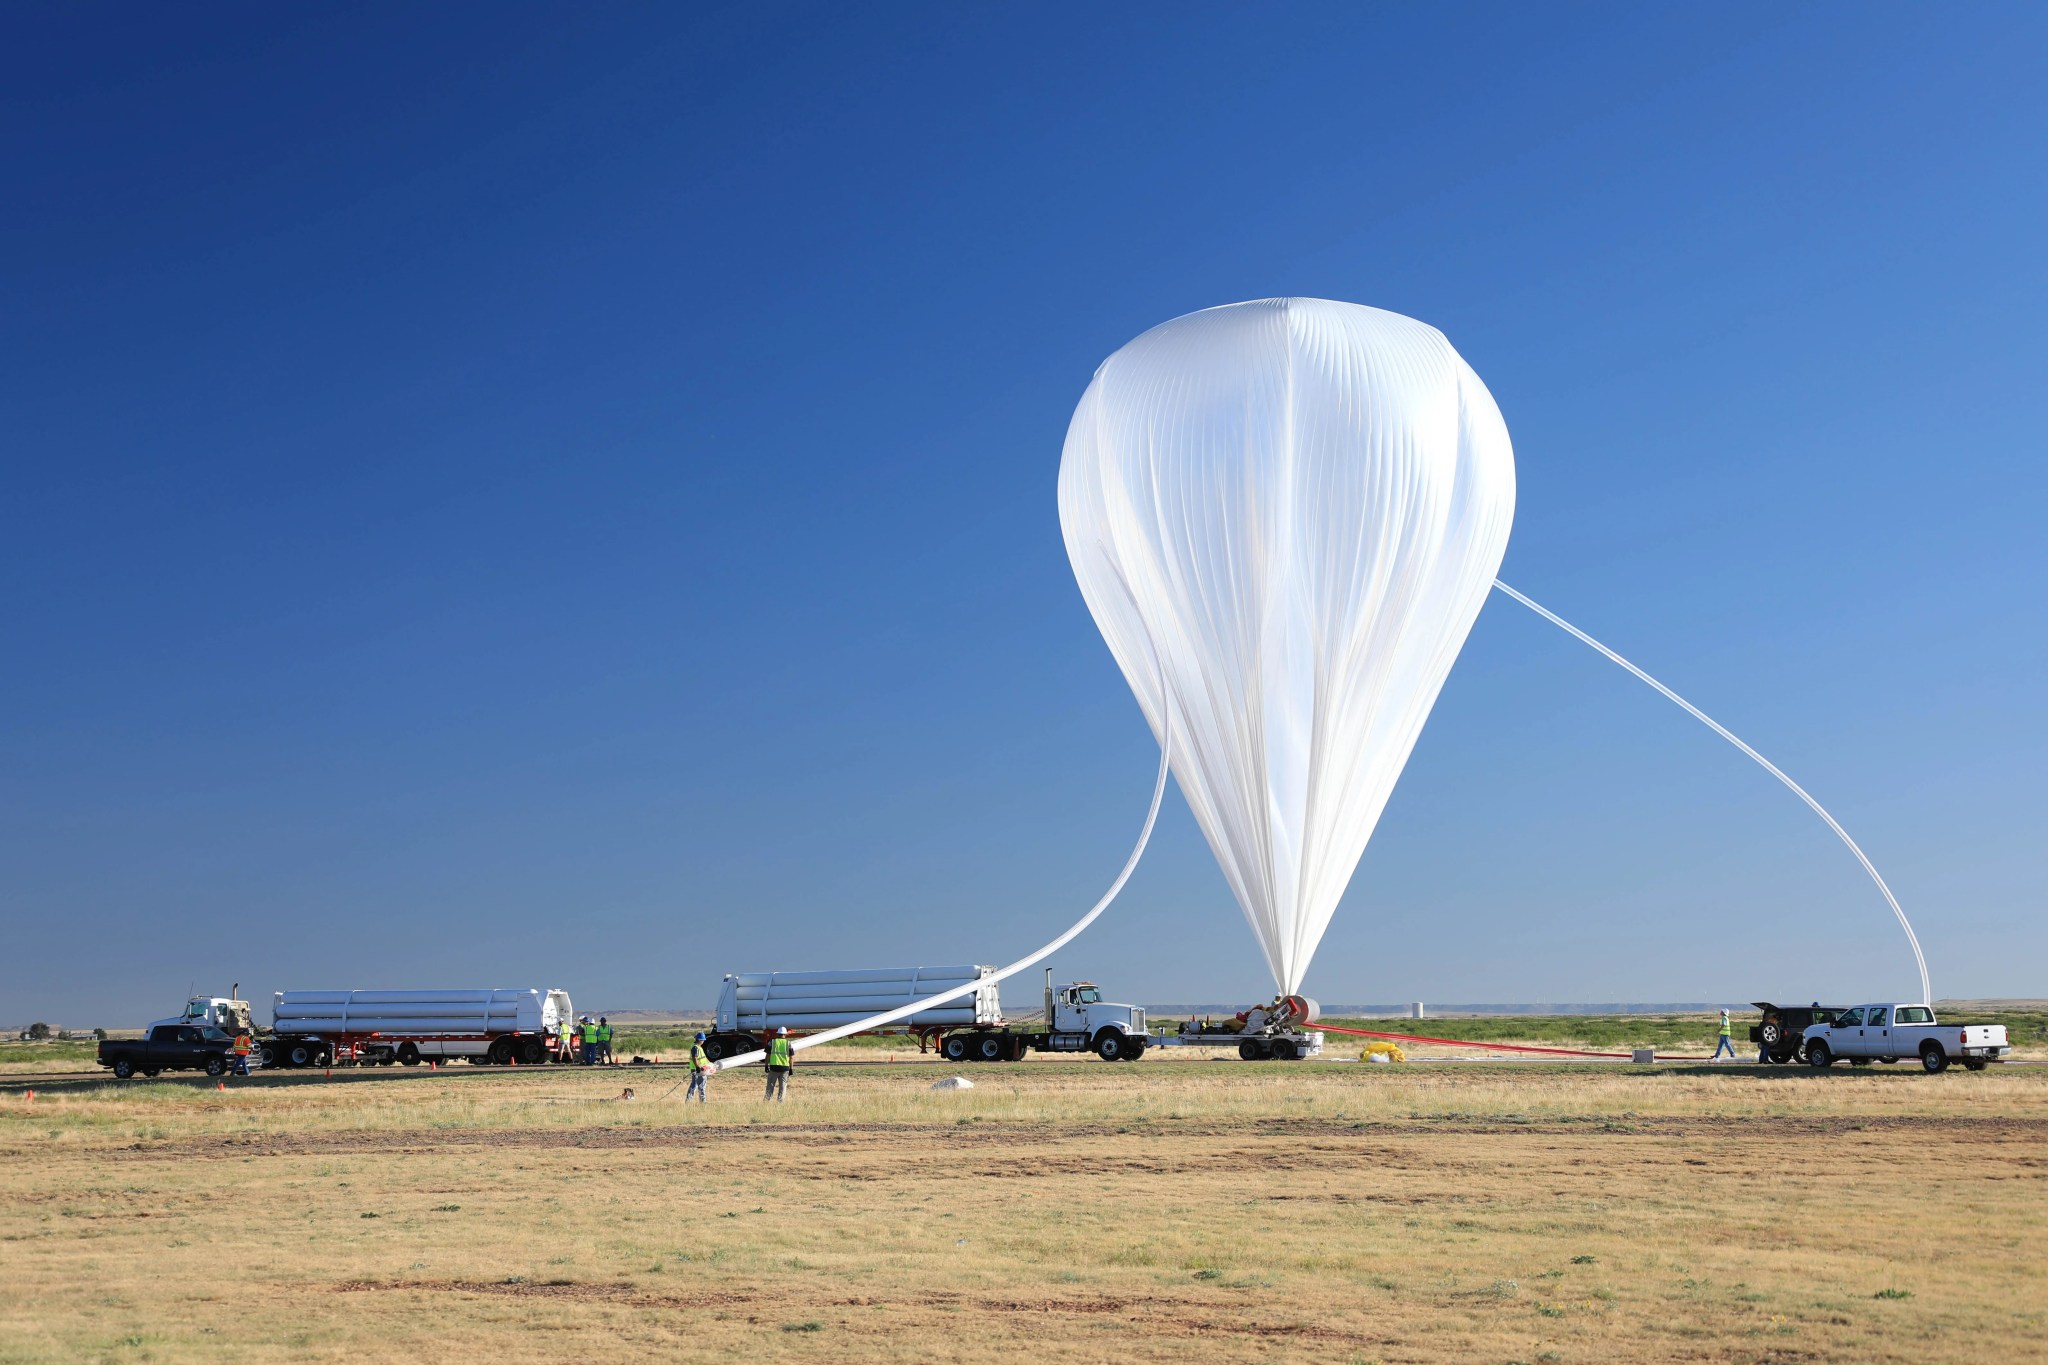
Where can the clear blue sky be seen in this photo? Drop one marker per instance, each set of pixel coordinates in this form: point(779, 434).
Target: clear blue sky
point(495, 495)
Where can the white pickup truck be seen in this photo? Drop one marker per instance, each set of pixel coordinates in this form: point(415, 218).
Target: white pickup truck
point(1888, 1032)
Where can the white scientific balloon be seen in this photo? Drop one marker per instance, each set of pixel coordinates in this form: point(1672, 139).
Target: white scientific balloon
point(1300, 505)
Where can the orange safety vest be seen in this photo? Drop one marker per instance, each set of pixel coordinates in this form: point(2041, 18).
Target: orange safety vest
point(242, 1044)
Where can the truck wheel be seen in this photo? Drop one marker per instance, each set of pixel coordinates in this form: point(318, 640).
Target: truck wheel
point(216, 1067)
point(124, 1068)
point(989, 1048)
point(500, 1052)
point(1770, 1035)
point(1933, 1058)
point(408, 1055)
point(1134, 1048)
point(1817, 1054)
point(1109, 1045)
point(1786, 1057)
point(1889, 1061)
point(1975, 1065)
point(532, 1052)
point(1284, 1051)
point(1251, 1051)
point(955, 1048)
point(267, 1054)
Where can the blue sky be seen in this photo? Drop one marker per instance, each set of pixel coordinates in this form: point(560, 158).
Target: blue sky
point(490, 496)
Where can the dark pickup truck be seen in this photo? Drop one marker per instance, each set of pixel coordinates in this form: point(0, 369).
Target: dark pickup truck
point(171, 1047)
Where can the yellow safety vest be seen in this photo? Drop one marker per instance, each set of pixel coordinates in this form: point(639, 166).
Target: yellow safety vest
point(604, 1033)
point(778, 1052)
point(1727, 1029)
point(699, 1059)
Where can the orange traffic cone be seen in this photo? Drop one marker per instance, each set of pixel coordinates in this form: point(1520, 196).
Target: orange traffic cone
point(31, 1094)
point(223, 1087)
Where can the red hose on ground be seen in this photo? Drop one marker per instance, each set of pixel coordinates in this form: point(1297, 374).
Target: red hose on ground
point(1498, 1047)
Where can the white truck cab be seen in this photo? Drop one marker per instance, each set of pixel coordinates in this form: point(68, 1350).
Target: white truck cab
point(223, 1012)
point(1888, 1031)
point(1078, 1019)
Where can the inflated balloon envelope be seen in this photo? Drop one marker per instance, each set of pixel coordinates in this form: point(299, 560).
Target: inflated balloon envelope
point(1285, 516)
point(1300, 505)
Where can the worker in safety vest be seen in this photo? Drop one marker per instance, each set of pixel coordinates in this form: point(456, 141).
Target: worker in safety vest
point(1727, 1043)
point(586, 1037)
point(780, 1061)
point(701, 1067)
point(243, 1043)
point(604, 1040)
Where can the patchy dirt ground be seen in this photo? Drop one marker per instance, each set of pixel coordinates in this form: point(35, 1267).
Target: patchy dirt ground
point(1086, 1213)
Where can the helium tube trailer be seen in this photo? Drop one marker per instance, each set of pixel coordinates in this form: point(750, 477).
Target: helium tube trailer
point(488, 1026)
point(752, 1005)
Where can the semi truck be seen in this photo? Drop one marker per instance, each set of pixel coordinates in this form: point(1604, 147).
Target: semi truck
point(486, 1025)
point(752, 1005)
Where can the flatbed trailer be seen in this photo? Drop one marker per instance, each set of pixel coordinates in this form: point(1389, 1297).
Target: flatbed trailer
point(1277, 1031)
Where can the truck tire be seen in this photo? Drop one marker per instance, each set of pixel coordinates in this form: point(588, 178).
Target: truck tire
point(1134, 1048)
point(299, 1054)
point(531, 1051)
point(1817, 1054)
point(1251, 1050)
point(500, 1052)
point(408, 1054)
point(1786, 1057)
point(954, 1048)
point(1110, 1045)
point(268, 1054)
point(124, 1068)
point(1284, 1051)
point(1770, 1034)
point(1933, 1058)
point(216, 1066)
point(1974, 1064)
point(989, 1048)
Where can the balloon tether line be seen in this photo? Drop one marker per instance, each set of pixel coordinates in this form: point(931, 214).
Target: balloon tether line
point(1926, 993)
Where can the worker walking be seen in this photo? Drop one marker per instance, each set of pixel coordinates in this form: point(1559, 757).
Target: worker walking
point(243, 1044)
point(701, 1067)
point(1727, 1043)
point(779, 1063)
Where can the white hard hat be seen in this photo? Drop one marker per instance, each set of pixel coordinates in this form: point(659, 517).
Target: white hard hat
point(783, 1031)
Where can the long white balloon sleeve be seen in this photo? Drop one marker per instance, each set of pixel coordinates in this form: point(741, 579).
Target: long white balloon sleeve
point(1308, 501)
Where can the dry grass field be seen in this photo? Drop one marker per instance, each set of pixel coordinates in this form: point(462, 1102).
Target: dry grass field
point(1171, 1210)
